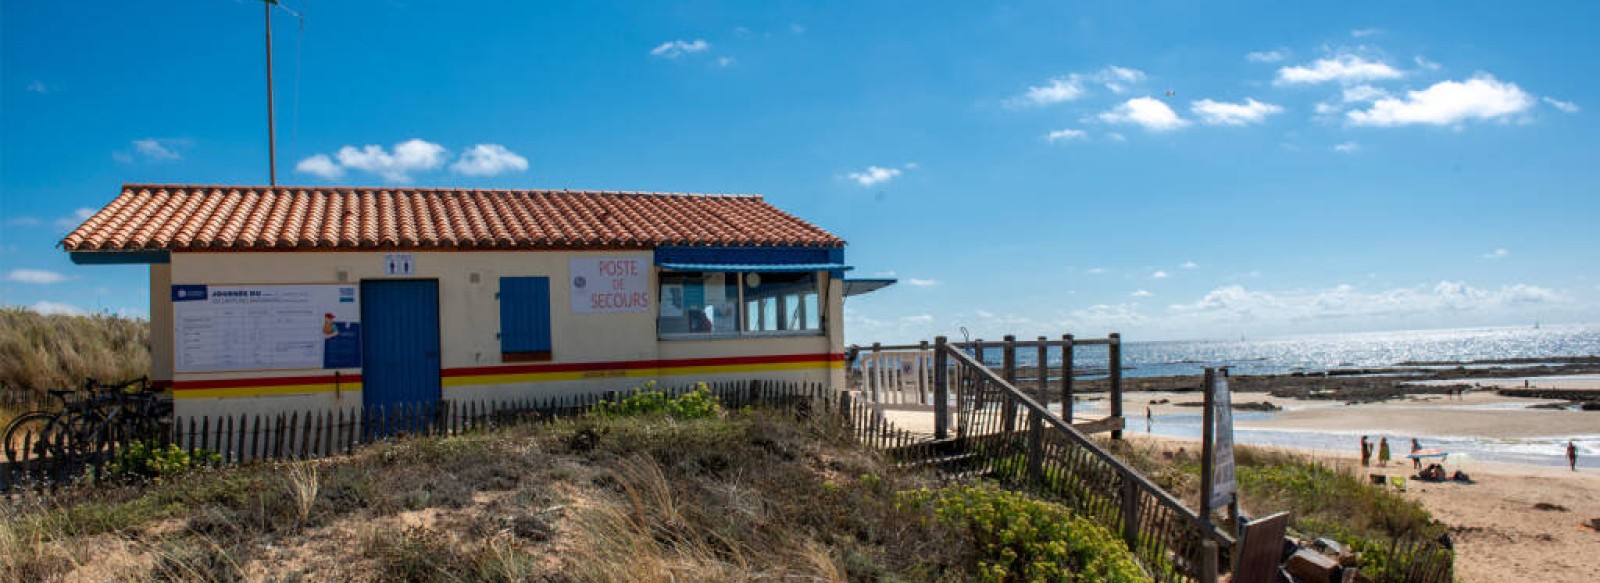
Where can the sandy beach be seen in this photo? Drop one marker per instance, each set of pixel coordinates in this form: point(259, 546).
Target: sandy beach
point(1496, 521)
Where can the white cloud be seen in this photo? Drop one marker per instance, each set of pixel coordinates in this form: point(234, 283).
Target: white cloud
point(1189, 265)
point(797, 29)
point(1116, 137)
point(1564, 106)
point(1071, 87)
point(23, 222)
point(1347, 147)
point(1052, 92)
point(410, 156)
point(917, 319)
point(76, 218)
point(1496, 254)
point(1271, 56)
point(488, 160)
point(889, 273)
point(1160, 275)
point(1149, 112)
point(874, 175)
point(53, 308)
point(921, 282)
point(1066, 135)
point(1234, 303)
point(1141, 294)
point(1233, 114)
point(38, 87)
point(1363, 94)
point(320, 165)
point(725, 61)
point(1117, 78)
point(673, 49)
point(1095, 270)
point(153, 149)
point(1344, 68)
point(35, 276)
point(1364, 32)
point(1424, 63)
point(1448, 103)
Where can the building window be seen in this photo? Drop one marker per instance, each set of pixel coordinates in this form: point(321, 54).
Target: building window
point(524, 319)
point(781, 302)
point(698, 303)
point(738, 304)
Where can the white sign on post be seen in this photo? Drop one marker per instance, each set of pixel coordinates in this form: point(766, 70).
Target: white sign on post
point(399, 264)
point(1223, 485)
point(609, 285)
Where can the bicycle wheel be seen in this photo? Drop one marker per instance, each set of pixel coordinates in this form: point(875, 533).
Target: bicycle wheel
point(27, 437)
point(72, 434)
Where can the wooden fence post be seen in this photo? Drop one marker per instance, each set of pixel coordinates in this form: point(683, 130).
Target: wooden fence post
point(1130, 512)
point(1066, 378)
point(1035, 448)
point(922, 372)
point(941, 388)
point(1115, 352)
point(1008, 368)
point(1044, 372)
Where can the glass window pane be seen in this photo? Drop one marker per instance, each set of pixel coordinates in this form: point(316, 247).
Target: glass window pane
point(698, 303)
point(782, 302)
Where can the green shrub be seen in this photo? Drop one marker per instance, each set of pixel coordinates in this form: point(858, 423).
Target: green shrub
point(646, 400)
point(148, 459)
point(1020, 538)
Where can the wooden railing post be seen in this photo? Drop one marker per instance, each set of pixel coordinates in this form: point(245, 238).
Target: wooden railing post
point(1130, 512)
point(1035, 448)
point(1115, 350)
point(1066, 378)
point(941, 388)
point(1042, 391)
point(1008, 368)
point(876, 383)
point(922, 372)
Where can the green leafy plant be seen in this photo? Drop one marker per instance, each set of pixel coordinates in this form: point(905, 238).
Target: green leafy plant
point(148, 459)
point(699, 403)
point(1020, 538)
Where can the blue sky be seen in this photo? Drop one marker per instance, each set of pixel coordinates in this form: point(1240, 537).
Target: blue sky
point(1166, 169)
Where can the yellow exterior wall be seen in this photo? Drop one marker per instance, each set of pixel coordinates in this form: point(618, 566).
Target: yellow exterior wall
point(469, 323)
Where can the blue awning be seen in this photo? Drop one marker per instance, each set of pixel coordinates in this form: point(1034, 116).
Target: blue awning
point(856, 287)
point(757, 267)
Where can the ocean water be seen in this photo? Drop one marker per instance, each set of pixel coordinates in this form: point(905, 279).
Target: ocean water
point(1464, 450)
point(1322, 352)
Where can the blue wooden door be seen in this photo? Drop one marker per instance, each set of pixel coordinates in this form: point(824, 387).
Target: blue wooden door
point(399, 342)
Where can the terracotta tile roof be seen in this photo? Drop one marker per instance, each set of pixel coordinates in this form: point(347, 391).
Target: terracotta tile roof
point(214, 218)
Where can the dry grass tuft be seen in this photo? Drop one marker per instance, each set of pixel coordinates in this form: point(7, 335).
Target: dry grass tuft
point(303, 486)
point(38, 352)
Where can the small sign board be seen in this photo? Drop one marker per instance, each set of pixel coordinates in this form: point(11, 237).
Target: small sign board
point(1223, 486)
point(399, 264)
point(609, 285)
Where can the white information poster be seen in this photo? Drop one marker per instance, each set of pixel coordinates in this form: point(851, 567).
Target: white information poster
point(1222, 478)
point(609, 285)
point(265, 327)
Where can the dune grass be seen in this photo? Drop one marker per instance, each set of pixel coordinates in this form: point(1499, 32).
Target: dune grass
point(58, 351)
point(734, 495)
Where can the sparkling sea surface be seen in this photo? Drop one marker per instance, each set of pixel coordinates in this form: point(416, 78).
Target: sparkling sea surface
point(1321, 352)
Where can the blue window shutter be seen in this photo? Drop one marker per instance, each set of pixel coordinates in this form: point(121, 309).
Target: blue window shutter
point(524, 314)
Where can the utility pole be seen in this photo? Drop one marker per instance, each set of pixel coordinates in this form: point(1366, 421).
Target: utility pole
point(272, 140)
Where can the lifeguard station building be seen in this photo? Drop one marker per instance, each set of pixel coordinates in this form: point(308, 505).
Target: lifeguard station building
point(267, 299)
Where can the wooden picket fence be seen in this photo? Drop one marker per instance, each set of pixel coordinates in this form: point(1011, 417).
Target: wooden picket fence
point(301, 435)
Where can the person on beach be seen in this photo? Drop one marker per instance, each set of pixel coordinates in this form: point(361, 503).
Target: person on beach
point(1366, 452)
point(1416, 462)
point(1149, 420)
point(1572, 455)
point(1383, 452)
